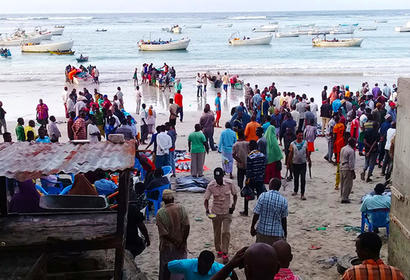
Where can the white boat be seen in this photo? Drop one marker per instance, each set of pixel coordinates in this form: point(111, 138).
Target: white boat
point(193, 26)
point(368, 28)
point(58, 30)
point(174, 29)
point(164, 46)
point(318, 32)
point(323, 43)
point(45, 48)
point(380, 21)
point(341, 31)
point(286, 34)
point(228, 25)
point(405, 28)
point(246, 41)
point(17, 41)
point(247, 17)
point(266, 28)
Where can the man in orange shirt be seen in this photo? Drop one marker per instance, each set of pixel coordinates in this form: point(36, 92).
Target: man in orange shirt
point(178, 100)
point(250, 130)
point(368, 245)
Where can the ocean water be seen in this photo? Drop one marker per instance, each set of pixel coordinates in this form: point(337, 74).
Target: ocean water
point(26, 77)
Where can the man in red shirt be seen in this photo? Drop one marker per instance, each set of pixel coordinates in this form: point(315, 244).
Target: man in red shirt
point(178, 100)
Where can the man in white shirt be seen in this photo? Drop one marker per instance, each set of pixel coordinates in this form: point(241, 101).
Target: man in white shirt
point(313, 106)
point(93, 133)
point(164, 143)
point(138, 99)
point(120, 97)
point(387, 161)
point(225, 82)
point(276, 101)
point(198, 85)
point(80, 104)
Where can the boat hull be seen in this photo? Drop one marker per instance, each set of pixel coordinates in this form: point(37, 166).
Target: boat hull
point(18, 42)
point(338, 44)
point(286, 35)
point(249, 42)
point(173, 46)
point(46, 48)
point(57, 32)
point(402, 29)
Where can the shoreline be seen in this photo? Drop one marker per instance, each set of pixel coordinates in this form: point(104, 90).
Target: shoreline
point(21, 100)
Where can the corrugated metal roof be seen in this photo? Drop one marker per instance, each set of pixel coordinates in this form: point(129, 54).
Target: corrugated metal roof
point(23, 160)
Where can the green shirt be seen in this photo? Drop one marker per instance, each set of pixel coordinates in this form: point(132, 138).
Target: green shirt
point(21, 136)
point(197, 140)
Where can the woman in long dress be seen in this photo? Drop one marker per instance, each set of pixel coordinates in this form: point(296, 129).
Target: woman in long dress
point(273, 155)
point(151, 119)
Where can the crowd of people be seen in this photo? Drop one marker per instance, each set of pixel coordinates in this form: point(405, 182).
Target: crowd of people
point(163, 77)
point(82, 73)
point(267, 123)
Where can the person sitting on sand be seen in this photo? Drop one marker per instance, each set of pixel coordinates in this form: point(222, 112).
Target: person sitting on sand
point(204, 267)
point(42, 136)
point(259, 260)
point(284, 252)
point(368, 245)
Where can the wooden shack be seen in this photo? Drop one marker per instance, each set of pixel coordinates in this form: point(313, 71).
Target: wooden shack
point(49, 232)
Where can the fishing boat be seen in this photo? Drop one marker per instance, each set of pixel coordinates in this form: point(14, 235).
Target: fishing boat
point(266, 28)
point(197, 26)
point(82, 59)
point(58, 30)
point(405, 28)
point(163, 45)
point(46, 48)
point(228, 25)
point(19, 37)
point(5, 53)
point(248, 17)
point(380, 21)
point(335, 43)
point(62, 52)
point(246, 41)
point(318, 32)
point(101, 30)
point(173, 29)
point(286, 34)
point(368, 28)
point(341, 31)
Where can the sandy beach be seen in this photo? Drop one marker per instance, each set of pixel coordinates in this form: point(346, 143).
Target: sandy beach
point(321, 209)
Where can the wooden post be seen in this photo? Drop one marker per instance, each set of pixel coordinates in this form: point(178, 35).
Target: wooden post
point(122, 222)
point(3, 197)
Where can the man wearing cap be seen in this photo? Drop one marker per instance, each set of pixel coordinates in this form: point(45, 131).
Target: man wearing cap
point(173, 230)
point(221, 189)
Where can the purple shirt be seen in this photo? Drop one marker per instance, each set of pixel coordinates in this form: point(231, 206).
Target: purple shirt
point(376, 92)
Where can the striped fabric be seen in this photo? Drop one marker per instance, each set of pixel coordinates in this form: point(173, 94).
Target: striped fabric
point(373, 270)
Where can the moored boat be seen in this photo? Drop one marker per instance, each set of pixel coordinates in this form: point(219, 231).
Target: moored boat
point(341, 31)
point(5, 53)
point(266, 28)
point(286, 34)
point(368, 28)
point(163, 45)
point(248, 17)
point(46, 48)
point(82, 59)
point(405, 28)
point(57, 31)
point(323, 43)
point(197, 26)
point(228, 25)
point(62, 52)
point(246, 41)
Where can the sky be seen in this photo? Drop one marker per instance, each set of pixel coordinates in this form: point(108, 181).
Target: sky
point(109, 6)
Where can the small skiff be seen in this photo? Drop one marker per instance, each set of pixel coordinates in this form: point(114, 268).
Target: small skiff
point(246, 41)
point(46, 48)
point(164, 46)
point(405, 28)
point(323, 43)
point(266, 28)
point(286, 34)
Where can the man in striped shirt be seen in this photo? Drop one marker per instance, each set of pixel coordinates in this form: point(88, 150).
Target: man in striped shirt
point(368, 247)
